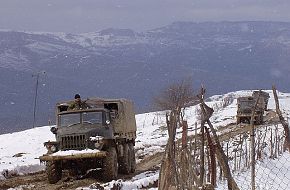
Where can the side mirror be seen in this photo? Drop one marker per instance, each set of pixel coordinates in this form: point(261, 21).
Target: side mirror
point(53, 130)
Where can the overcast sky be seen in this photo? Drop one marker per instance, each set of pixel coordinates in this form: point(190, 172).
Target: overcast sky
point(78, 16)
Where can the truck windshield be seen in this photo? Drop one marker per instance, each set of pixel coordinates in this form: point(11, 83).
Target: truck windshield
point(82, 117)
point(93, 117)
point(70, 119)
point(246, 105)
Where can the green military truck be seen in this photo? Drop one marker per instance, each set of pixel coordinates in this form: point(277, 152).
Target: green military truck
point(246, 105)
point(264, 95)
point(101, 136)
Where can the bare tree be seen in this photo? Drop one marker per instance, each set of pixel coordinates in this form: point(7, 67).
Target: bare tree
point(175, 99)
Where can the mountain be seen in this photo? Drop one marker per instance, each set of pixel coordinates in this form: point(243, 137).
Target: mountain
point(224, 56)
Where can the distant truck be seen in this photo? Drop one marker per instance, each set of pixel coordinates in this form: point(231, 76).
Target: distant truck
point(100, 136)
point(246, 105)
point(264, 95)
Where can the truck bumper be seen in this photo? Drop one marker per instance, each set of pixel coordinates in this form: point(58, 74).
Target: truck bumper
point(51, 157)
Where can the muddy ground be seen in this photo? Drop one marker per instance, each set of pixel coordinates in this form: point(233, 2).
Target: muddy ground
point(38, 181)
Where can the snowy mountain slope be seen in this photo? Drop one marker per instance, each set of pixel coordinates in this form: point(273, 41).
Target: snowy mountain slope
point(151, 138)
point(106, 38)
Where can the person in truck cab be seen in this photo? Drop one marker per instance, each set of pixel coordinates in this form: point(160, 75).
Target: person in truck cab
point(78, 104)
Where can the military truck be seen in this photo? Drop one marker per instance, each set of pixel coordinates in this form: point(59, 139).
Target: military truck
point(101, 137)
point(245, 107)
point(265, 96)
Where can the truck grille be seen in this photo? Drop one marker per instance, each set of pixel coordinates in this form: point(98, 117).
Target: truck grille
point(75, 142)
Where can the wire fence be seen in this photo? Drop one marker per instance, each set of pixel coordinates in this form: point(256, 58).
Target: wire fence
point(271, 162)
point(253, 156)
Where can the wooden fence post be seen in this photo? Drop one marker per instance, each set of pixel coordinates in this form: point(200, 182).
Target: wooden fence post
point(207, 112)
point(282, 120)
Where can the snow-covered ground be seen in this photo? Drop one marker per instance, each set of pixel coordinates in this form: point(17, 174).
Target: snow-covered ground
point(19, 151)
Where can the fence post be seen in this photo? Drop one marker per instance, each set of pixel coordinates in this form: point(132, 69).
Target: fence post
point(212, 158)
point(202, 154)
point(232, 185)
point(253, 161)
point(282, 120)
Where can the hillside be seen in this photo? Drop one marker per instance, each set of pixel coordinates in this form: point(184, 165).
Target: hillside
point(18, 154)
point(224, 56)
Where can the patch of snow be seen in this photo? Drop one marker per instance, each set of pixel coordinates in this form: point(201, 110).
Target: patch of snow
point(140, 181)
point(20, 151)
point(74, 152)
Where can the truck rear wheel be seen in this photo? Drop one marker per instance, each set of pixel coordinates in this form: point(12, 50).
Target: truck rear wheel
point(259, 119)
point(125, 160)
point(110, 165)
point(53, 171)
point(238, 120)
point(132, 158)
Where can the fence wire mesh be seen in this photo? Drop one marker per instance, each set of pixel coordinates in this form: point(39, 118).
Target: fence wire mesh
point(272, 161)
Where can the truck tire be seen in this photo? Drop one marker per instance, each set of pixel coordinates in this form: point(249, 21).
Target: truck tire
point(110, 165)
point(261, 119)
point(125, 160)
point(257, 120)
point(133, 159)
point(53, 171)
point(247, 120)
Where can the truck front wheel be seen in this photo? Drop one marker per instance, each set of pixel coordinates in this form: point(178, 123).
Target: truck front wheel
point(53, 171)
point(110, 165)
point(238, 120)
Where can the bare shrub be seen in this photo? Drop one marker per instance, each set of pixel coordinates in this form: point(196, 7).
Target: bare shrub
point(226, 101)
point(176, 97)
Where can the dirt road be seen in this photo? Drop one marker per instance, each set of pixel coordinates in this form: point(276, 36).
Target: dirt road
point(39, 181)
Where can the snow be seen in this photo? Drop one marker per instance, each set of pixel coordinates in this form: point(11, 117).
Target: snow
point(19, 151)
point(74, 152)
point(98, 39)
point(96, 138)
point(138, 182)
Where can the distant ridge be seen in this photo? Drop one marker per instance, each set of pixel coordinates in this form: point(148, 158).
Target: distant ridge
point(224, 56)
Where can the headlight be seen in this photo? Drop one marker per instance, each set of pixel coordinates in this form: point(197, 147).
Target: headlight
point(98, 141)
point(53, 148)
point(99, 145)
point(50, 147)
